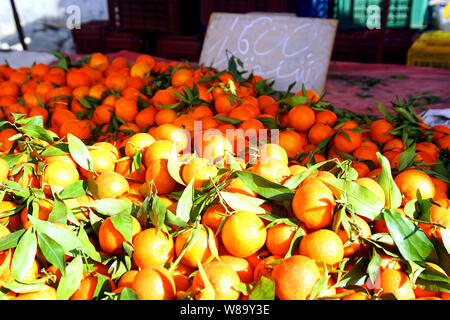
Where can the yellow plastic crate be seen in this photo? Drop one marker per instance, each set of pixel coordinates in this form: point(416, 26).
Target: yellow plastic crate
point(432, 49)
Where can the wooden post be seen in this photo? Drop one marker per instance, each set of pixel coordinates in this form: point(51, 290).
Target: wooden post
point(18, 25)
point(382, 35)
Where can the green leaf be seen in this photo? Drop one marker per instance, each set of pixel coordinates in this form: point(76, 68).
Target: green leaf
point(67, 239)
point(388, 115)
point(95, 221)
point(212, 243)
point(174, 220)
point(405, 114)
point(37, 121)
point(59, 211)
point(432, 280)
point(445, 233)
point(295, 242)
point(103, 285)
point(263, 290)
point(413, 269)
point(239, 201)
point(357, 275)
point(12, 159)
point(70, 282)
point(266, 188)
point(186, 202)
point(407, 158)
point(410, 240)
point(24, 255)
point(14, 188)
point(232, 121)
point(123, 223)
point(269, 122)
point(85, 103)
point(294, 181)
point(11, 240)
point(56, 149)
point(169, 106)
point(385, 180)
point(128, 294)
point(319, 287)
point(38, 132)
point(158, 213)
point(110, 207)
point(174, 166)
point(399, 76)
point(443, 254)
point(118, 268)
point(210, 293)
point(52, 251)
point(233, 69)
point(79, 152)
point(373, 267)
point(364, 95)
point(18, 286)
point(232, 163)
point(380, 240)
point(88, 246)
point(423, 207)
point(244, 288)
point(144, 210)
point(294, 100)
point(75, 190)
point(63, 64)
point(410, 208)
point(363, 201)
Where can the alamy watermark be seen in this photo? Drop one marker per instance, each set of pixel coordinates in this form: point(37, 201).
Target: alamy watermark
point(73, 20)
point(373, 17)
point(215, 145)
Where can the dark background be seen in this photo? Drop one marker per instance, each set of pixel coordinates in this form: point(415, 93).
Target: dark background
point(175, 29)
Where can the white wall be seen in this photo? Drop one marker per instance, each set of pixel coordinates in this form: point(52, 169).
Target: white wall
point(36, 15)
point(32, 10)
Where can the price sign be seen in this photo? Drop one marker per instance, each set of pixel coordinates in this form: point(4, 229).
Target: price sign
point(280, 47)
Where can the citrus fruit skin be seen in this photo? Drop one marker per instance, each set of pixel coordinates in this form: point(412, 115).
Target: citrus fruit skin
point(301, 118)
point(110, 239)
point(59, 174)
point(152, 247)
point(223, 279)
point(279, 238)
point(412, 181)
point(323, 245)
point(198, 250)
point(199, 170)
point(111, 185)
point(379, 131)
point(313, 204)
point(154, 283)
point(352, 244)
point(295, 278)
point(46, 294)
point(373, 186)
point(243, 234)
point(397, 283)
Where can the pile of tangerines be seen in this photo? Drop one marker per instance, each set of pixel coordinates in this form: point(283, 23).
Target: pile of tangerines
point(166, 180)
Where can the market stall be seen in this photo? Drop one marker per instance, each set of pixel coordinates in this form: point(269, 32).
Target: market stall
point(128, 174)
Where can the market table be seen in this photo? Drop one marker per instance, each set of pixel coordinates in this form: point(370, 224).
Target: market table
point(358, 86)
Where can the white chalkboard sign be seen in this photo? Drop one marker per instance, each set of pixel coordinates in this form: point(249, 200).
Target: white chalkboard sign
point(278, 47)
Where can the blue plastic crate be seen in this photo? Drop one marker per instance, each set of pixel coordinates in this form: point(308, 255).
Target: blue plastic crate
point(358, 14)
point(312, 8)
